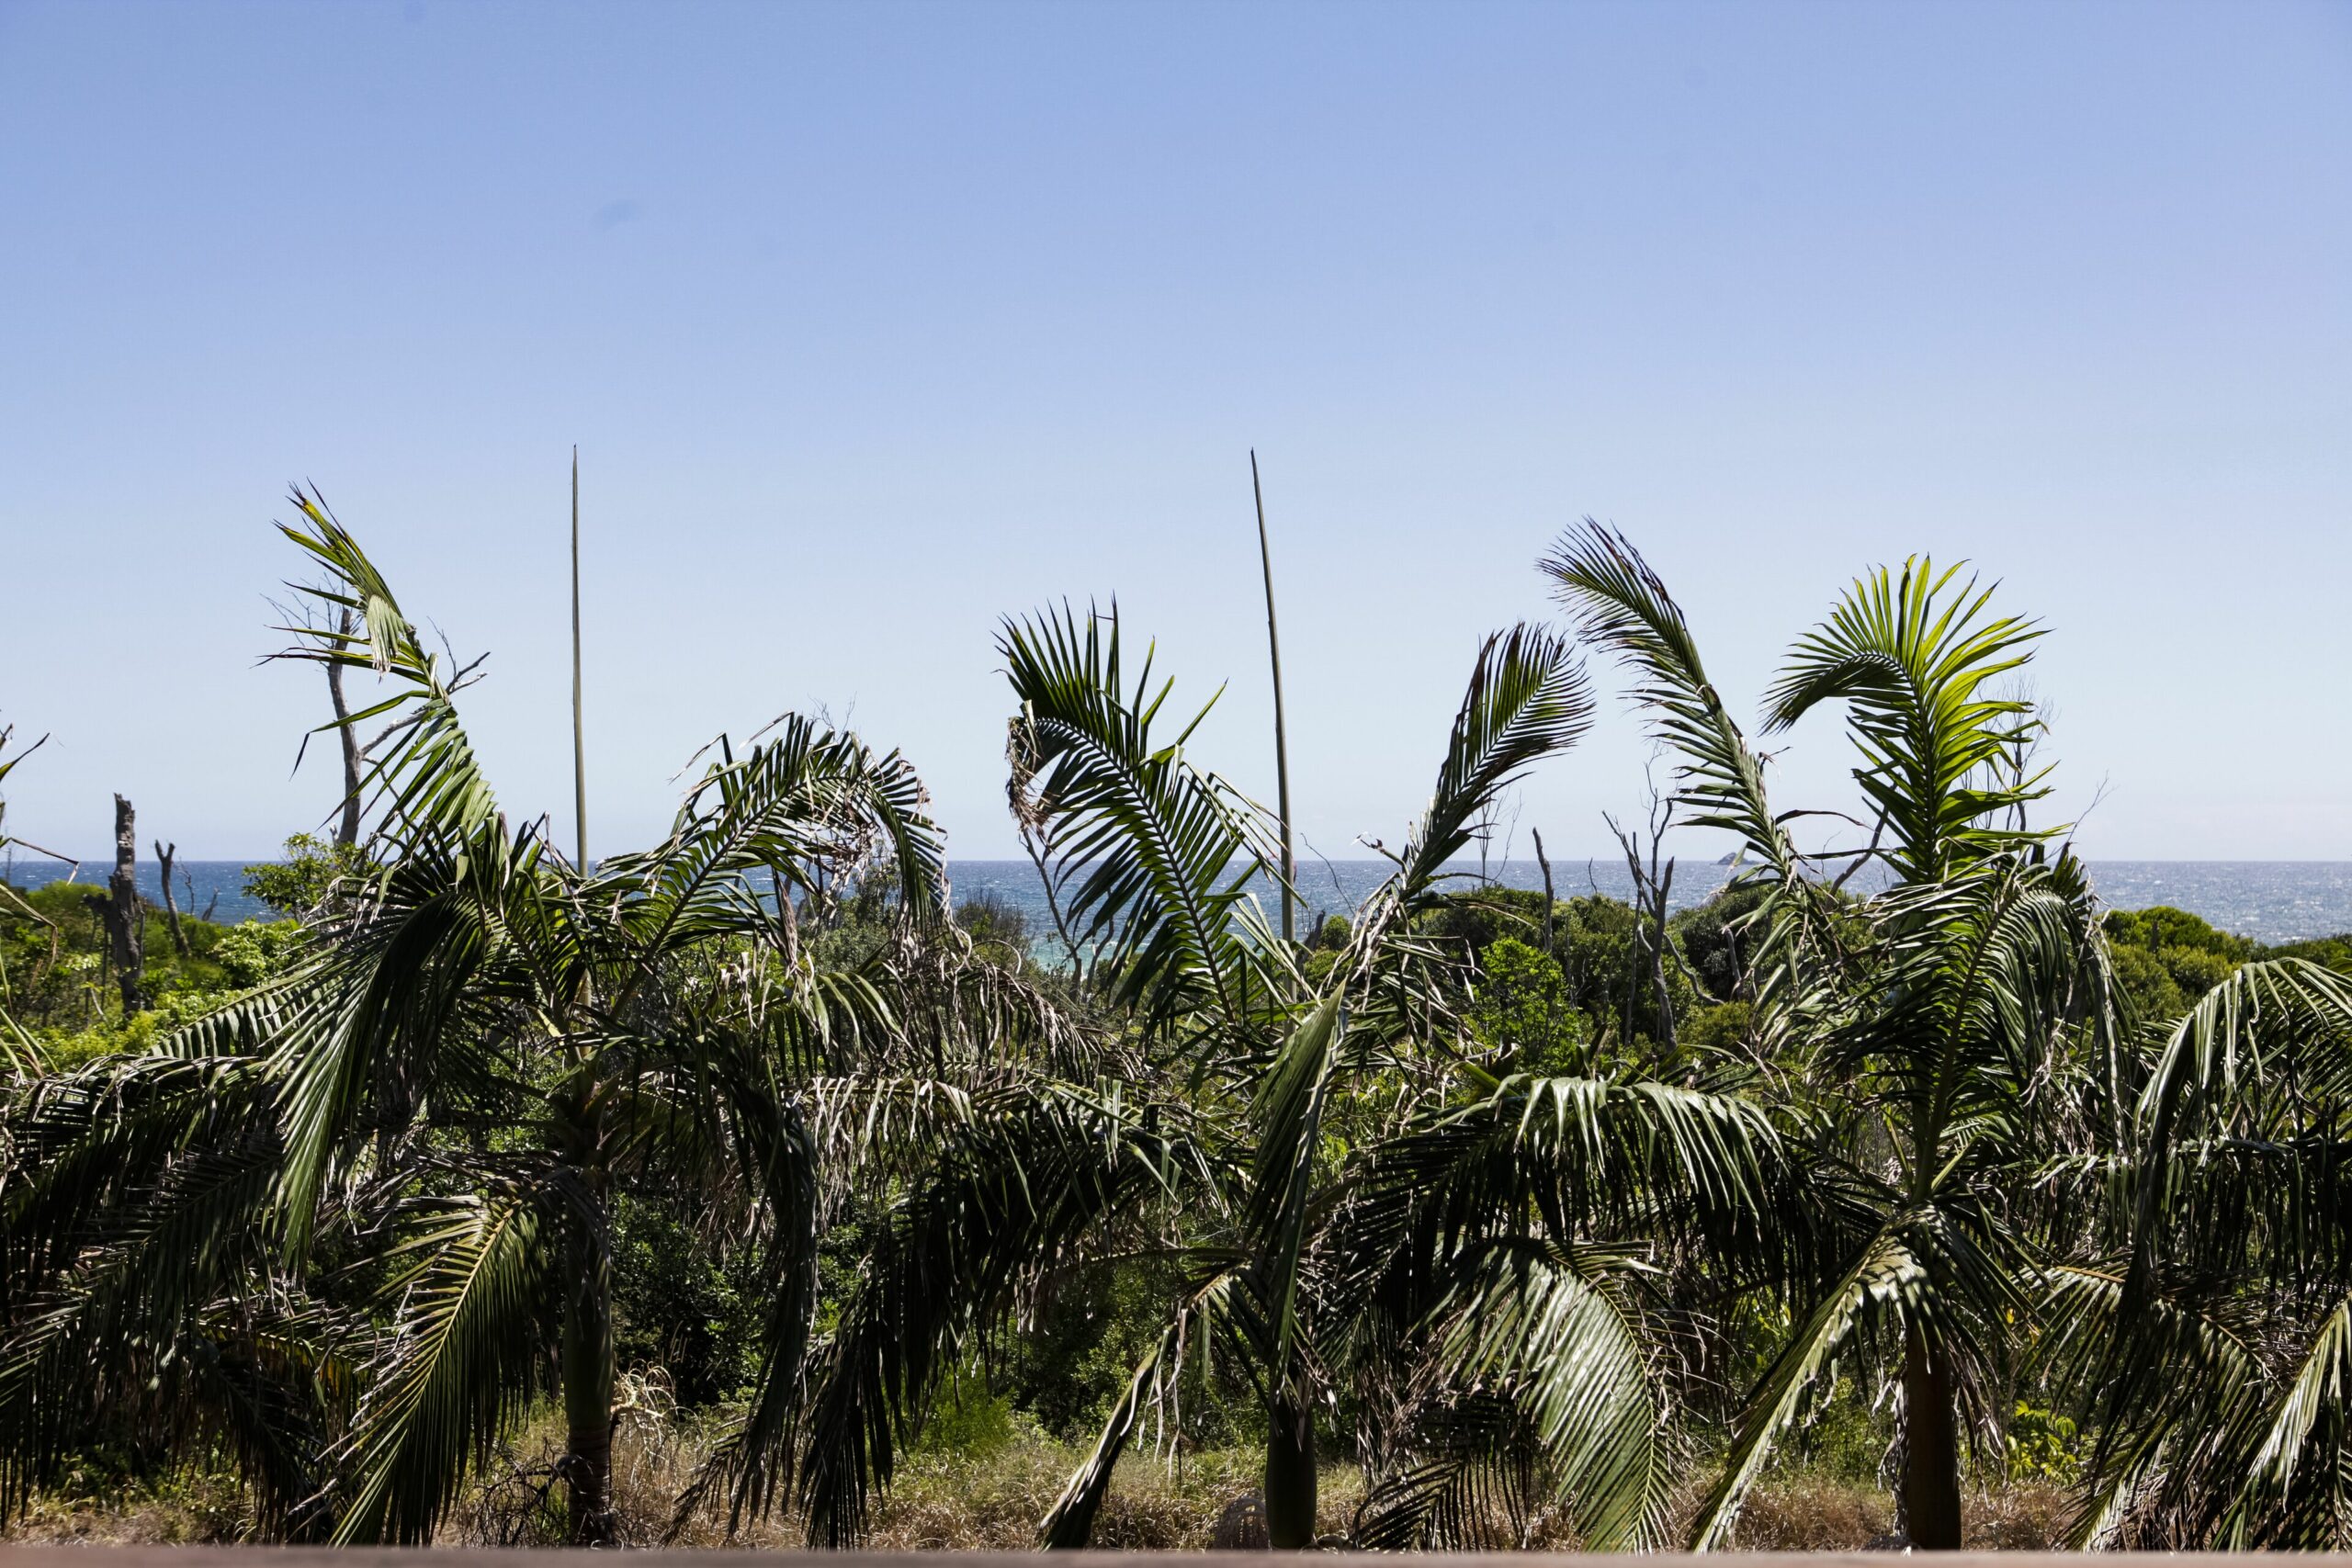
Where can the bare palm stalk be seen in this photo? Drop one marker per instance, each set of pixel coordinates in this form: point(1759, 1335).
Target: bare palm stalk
point(1282, 739)
point(578, 732)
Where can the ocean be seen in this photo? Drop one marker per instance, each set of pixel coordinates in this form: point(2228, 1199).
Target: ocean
point(2268, 900)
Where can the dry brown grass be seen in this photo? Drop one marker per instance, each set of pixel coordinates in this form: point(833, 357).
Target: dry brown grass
point(952, 1502)
point(1805, 1514)
point(938, 1502)
point(183, 1512)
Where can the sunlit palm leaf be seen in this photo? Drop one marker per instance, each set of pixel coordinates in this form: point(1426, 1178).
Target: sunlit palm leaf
point(1200, 1316)
point(1914, 667)
point(1148, 856)
point(808, 802)
point(424, 769)
point(1884, 1273)
point(1555, 1328)
point(1622, 605)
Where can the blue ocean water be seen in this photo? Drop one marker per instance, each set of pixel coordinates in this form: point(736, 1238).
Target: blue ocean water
point(2268, 900)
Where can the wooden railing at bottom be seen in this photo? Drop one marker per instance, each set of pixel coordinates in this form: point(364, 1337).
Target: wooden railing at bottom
point(97, 1556)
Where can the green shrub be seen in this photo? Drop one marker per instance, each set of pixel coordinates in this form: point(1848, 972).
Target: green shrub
point(2041, 1446)
point(2162, 926)
point(298, 882)
point(2150, 992)
point(253, 952)
point(1721, 1027)
point(2196, 970)
point(1524, 1011)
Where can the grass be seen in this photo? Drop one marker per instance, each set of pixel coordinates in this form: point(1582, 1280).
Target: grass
point(950, 1500)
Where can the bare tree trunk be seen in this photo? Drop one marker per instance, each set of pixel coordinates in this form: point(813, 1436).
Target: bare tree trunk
point(347, 831)
point(1661, 887)
point(1545, 861)
point(1931, 1449)
point(122, 912)
point(1653, 887)
point(163, 853)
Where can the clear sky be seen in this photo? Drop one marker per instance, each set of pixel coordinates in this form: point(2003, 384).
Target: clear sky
point(874, 323)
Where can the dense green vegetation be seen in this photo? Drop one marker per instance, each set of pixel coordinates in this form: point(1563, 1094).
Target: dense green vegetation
point(1517, 1218)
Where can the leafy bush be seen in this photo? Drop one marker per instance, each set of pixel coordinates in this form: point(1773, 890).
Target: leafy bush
point(2149, 990)
point(298, 882)
point(1523, 1010)
point(2040, 1444)
point(999, 930)
point(2161, 926)
point(253, 952)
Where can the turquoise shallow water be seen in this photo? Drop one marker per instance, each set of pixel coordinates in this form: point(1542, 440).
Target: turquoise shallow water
point(2269, 900)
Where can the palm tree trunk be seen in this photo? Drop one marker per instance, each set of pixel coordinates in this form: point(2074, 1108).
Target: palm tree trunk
point(1931, 1450)
point(1290, 1477)
point(588, 1391)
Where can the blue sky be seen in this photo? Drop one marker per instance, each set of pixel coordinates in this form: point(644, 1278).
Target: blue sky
point(874, 323)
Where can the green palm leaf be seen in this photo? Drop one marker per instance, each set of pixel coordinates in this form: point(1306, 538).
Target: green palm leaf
point(1017, 1188)
point(1914, 667)
point(1624, 606)
point(1148, 855)
point(1557, 1328)
point(1528, 699)
point(424, 769)
point(461, 1367)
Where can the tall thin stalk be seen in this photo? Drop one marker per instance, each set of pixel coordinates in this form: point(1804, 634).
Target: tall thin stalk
point(1282, 738)
point(578, 733)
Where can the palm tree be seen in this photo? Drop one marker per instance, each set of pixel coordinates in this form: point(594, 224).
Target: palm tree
point(1353, 1203)
point(1926, 1021)
point(2214, 1348)
point(482, 1047)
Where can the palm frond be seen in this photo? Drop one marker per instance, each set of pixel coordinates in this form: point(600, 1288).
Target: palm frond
point(422, 770)
point(1289, 1112)
point(1528, 698)
point(1880, 1276)
point(1148, 856)
point(1068, 1526)
point(1622, 604)
point(1557, 1330)
point(810, 806)
point(1577, 1157)
point(1015, 1189)
point(139, 1211)
point(2277, 1027)
point(463, 1362)
point(390, 1003)
point(1914, 665)
point(754, 1458)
